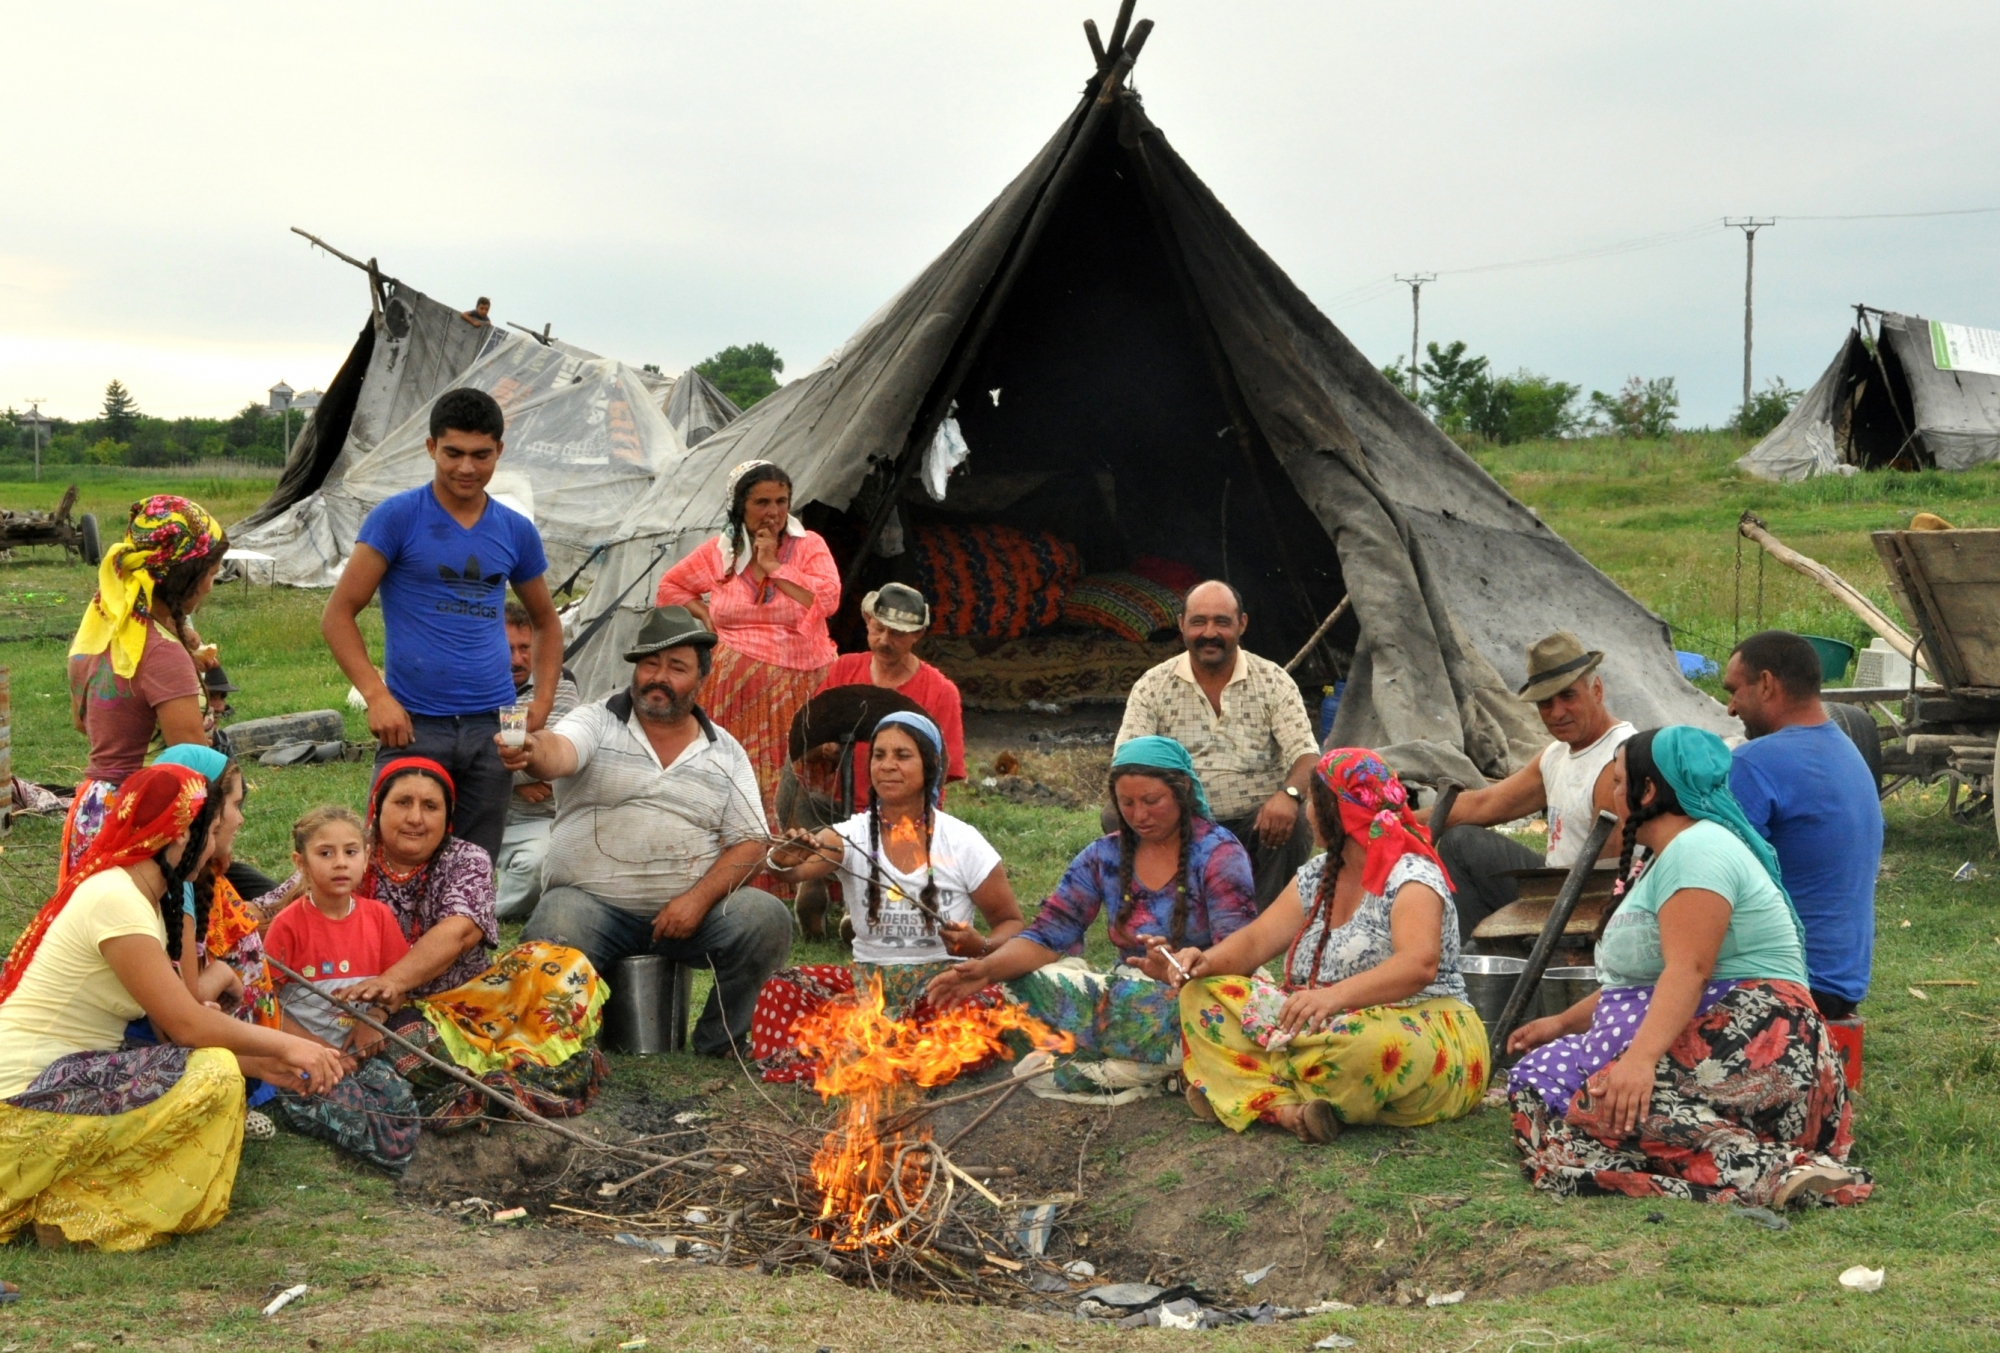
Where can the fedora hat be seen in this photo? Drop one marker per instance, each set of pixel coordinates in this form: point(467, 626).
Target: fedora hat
point(668, 627)
point(1556, 663)
point(899, 606)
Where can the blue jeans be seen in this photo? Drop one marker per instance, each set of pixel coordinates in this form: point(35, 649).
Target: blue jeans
point(463, 745)
point(745, 938)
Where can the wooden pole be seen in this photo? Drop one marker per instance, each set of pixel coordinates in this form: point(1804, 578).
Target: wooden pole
point(1753, 528)
point(1332, 618)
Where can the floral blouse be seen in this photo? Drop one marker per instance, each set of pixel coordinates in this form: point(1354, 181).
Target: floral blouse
point(1363, 943)
point(459, 882)
point(1222, 900)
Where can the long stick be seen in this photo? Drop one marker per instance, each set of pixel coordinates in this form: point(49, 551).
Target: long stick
point(500, 1097)
point(1552, 932)
point(1843, 591)
point(1019, 1082)
point(1332, 618)
point(919, 1111)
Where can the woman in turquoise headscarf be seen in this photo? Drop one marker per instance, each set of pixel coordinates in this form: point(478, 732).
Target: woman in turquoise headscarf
point(1701, 1069)
point(1169, 873)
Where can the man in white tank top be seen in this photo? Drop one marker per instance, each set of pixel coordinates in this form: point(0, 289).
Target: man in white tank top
point(1570, 781)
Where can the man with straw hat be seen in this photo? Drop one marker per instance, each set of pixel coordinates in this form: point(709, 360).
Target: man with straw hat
point(1570, 780)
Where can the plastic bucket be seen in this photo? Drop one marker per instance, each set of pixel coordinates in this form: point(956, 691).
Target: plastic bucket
point(1489, 981)
point(1562, 988)
point(1834, 657)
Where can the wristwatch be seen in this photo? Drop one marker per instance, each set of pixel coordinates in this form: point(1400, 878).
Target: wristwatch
point(1296, 797)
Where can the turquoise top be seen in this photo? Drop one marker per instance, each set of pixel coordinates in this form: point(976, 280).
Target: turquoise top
point(1763, 938)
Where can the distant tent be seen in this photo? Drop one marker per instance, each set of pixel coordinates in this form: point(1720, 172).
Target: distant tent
point(584, 436)
point(697, 409)
point(1130, 370)
point(1920, 395)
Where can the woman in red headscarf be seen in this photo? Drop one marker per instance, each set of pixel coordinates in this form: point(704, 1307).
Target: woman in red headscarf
point(526, 1021)
point(120, 1149)
point(1370, 1024)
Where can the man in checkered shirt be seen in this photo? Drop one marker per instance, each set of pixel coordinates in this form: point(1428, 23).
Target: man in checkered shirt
point(1244, 722)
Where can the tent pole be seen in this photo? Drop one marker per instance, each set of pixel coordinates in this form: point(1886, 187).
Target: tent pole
point(990, 306)
point(1888, 386)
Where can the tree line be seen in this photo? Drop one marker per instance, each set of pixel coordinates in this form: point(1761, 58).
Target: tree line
point(1464, 396)
point(123, 434)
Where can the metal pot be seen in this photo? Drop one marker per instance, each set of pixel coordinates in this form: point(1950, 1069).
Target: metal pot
point(1562, 988)
point(647, 1012)
point(1489, 980)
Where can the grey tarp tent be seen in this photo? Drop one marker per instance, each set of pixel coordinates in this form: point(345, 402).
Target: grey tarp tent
point(1106, 334)
point(1917, 394)
point(697, 409)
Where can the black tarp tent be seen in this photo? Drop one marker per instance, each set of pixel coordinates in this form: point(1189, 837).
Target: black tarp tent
point(1107, 334)
point(1914, 394)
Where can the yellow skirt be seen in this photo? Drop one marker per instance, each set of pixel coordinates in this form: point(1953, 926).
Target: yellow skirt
point(1401, 1065)
point(129, 1180)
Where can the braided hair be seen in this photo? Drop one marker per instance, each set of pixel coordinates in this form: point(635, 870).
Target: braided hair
point(184, 872)
point(739, 506)
point(178, 583)
point(933, 773)
point(1326, 813)
point(1182, 788)
point(1640, 771)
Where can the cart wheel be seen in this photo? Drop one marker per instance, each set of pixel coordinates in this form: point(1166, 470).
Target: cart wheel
point(93, 553)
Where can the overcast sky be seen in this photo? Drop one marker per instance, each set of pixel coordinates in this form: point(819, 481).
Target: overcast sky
point(660, 180)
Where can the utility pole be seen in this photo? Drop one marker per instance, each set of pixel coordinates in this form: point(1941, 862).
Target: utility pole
point(1749, 225)
point(37, 424)
point(1415, 281)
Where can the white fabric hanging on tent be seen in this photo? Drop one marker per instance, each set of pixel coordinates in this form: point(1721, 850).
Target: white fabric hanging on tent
point(946, 453)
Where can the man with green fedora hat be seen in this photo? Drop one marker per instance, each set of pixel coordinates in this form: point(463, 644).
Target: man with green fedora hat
point(1569, 781)
point(658, 827)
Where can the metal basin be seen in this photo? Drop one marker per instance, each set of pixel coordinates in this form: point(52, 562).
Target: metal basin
point(1489, 980)
point(1562, 988)
point(647, 1012)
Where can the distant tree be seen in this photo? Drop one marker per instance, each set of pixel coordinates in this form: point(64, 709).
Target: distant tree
point(652, 367)
point(106, 452)
point(1454, 385)
point(1767, 408)
point(745, 373)
point(121, 412)
point(1398, 375)
point(1523, 407)
point(1642, 408)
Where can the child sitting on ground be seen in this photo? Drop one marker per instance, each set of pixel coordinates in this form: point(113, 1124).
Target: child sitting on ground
point(330, 936)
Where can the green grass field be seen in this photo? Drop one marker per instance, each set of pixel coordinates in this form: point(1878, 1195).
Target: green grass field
point(388, 1275)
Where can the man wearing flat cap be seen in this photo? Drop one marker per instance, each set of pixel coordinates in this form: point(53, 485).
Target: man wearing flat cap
point(898, 617)
point(658, 824)
point(1571, 780)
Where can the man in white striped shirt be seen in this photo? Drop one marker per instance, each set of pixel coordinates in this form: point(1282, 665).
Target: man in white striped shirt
point(658, 824)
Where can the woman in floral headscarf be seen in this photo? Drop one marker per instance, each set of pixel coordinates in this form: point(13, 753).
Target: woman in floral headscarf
point(1371, 1023)
point(131, 674)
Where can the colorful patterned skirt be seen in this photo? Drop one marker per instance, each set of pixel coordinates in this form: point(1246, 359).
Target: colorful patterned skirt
point(789, 996)
point(527, 1026)
point(757, 701)
point(1403, 1065)
point(1126, 1026)
point(1751, 1089)
point(122, 1149)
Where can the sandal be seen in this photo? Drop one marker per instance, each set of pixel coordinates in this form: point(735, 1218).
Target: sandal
point(257, 1126)
point(1197, 1102)
point(1809, 1181)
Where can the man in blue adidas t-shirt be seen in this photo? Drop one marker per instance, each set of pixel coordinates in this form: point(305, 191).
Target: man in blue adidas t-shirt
point(1806, 789)
point(442, 556)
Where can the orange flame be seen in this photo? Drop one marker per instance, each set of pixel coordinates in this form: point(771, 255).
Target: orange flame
point(869, 1187)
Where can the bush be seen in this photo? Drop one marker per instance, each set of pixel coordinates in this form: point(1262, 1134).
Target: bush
point(1767, 408)
point(106, 452)
point(1524, 407)
point(1642, 409)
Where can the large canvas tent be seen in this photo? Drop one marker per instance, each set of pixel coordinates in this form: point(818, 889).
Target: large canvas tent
point(1912, 394)
point(1113, 347)
point(585, 435)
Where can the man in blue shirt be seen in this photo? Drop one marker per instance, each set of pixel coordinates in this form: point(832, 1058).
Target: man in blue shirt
point(442, 556)
point(1806, 789)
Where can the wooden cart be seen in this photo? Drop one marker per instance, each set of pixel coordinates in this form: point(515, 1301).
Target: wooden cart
point(78, 536)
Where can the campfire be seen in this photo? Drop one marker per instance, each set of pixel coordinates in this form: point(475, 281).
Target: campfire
point(877, 1181)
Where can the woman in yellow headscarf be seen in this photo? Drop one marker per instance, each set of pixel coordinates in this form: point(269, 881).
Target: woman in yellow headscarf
point(131, 672)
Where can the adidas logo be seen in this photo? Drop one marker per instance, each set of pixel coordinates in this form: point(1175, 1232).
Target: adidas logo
point(472, 581)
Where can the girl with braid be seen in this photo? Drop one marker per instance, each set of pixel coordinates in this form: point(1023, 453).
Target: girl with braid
point(1701, 1069)
point(1370, 1024)
point(1168, 875)
point(915, 879)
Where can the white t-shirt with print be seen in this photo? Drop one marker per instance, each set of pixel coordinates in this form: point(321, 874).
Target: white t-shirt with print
point(960, 860)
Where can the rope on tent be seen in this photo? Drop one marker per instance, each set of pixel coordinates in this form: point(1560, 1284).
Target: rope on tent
point(576, 645)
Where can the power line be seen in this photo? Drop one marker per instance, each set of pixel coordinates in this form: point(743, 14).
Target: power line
point(1899, 215)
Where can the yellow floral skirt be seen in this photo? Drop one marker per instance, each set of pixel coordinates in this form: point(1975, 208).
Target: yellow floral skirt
point(128, 1180)
point(1400, 1065)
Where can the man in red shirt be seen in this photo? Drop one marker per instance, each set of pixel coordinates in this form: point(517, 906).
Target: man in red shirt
point(898, 618)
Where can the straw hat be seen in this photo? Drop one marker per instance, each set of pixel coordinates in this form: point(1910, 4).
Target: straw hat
point(1556, 663)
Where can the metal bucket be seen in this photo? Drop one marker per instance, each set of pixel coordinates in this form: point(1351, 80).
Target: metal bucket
point(1562, 988)
point(647, 1012)
point(1489, 981)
